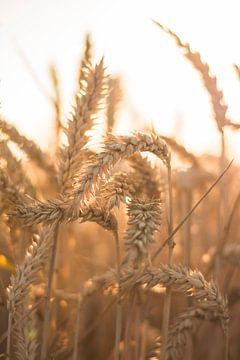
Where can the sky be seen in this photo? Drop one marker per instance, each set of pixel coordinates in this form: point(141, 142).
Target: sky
point(160, 87)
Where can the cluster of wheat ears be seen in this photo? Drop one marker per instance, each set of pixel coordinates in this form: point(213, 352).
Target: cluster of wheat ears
point(158, 221)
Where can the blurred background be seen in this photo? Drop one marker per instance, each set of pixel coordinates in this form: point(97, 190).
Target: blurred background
point(160, 87)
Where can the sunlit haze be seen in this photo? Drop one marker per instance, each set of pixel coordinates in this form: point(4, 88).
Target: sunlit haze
point(161, 88)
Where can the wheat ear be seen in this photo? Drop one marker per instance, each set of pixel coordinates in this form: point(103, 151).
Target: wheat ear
point(24, 276)
point(88, 102)
point(115, 149)
point(144, 220)
point(209, 81)
point(177, 337)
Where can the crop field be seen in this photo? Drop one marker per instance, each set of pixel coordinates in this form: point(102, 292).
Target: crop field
point(119, 246)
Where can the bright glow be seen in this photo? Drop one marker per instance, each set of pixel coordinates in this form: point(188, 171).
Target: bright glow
point(160, 86)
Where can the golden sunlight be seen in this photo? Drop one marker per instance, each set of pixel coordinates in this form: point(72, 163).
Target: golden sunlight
point(161, 89)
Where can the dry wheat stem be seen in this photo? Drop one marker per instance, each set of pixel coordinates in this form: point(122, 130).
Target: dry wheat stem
point(77, 329)
point(225, 234)
point(119, 305)
point(168, 295)
point(47, 309)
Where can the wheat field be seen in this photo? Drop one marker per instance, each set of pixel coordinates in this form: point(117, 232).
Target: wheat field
point(123, 249)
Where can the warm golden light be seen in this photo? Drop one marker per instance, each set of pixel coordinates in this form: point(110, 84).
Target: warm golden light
point(161, 88)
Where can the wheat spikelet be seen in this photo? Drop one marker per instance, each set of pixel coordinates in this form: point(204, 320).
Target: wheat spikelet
point(209, 81)
point(28, 146)
point(86, 59)
point(88, 103)
point(116, 190)
point(144, 220)
point(57, 102)
point(114, 98)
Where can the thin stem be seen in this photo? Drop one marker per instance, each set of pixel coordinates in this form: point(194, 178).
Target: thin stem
point(119, 305)
point(187, 205)
point(191, 211)
point(48, 295)
point(221, 201)
point(226, 350)
point(225, 234)
point(145, 325)
point(77, 330)
point(138, 319)
point(9, 334)
point(167, 299)
point(131, 305)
